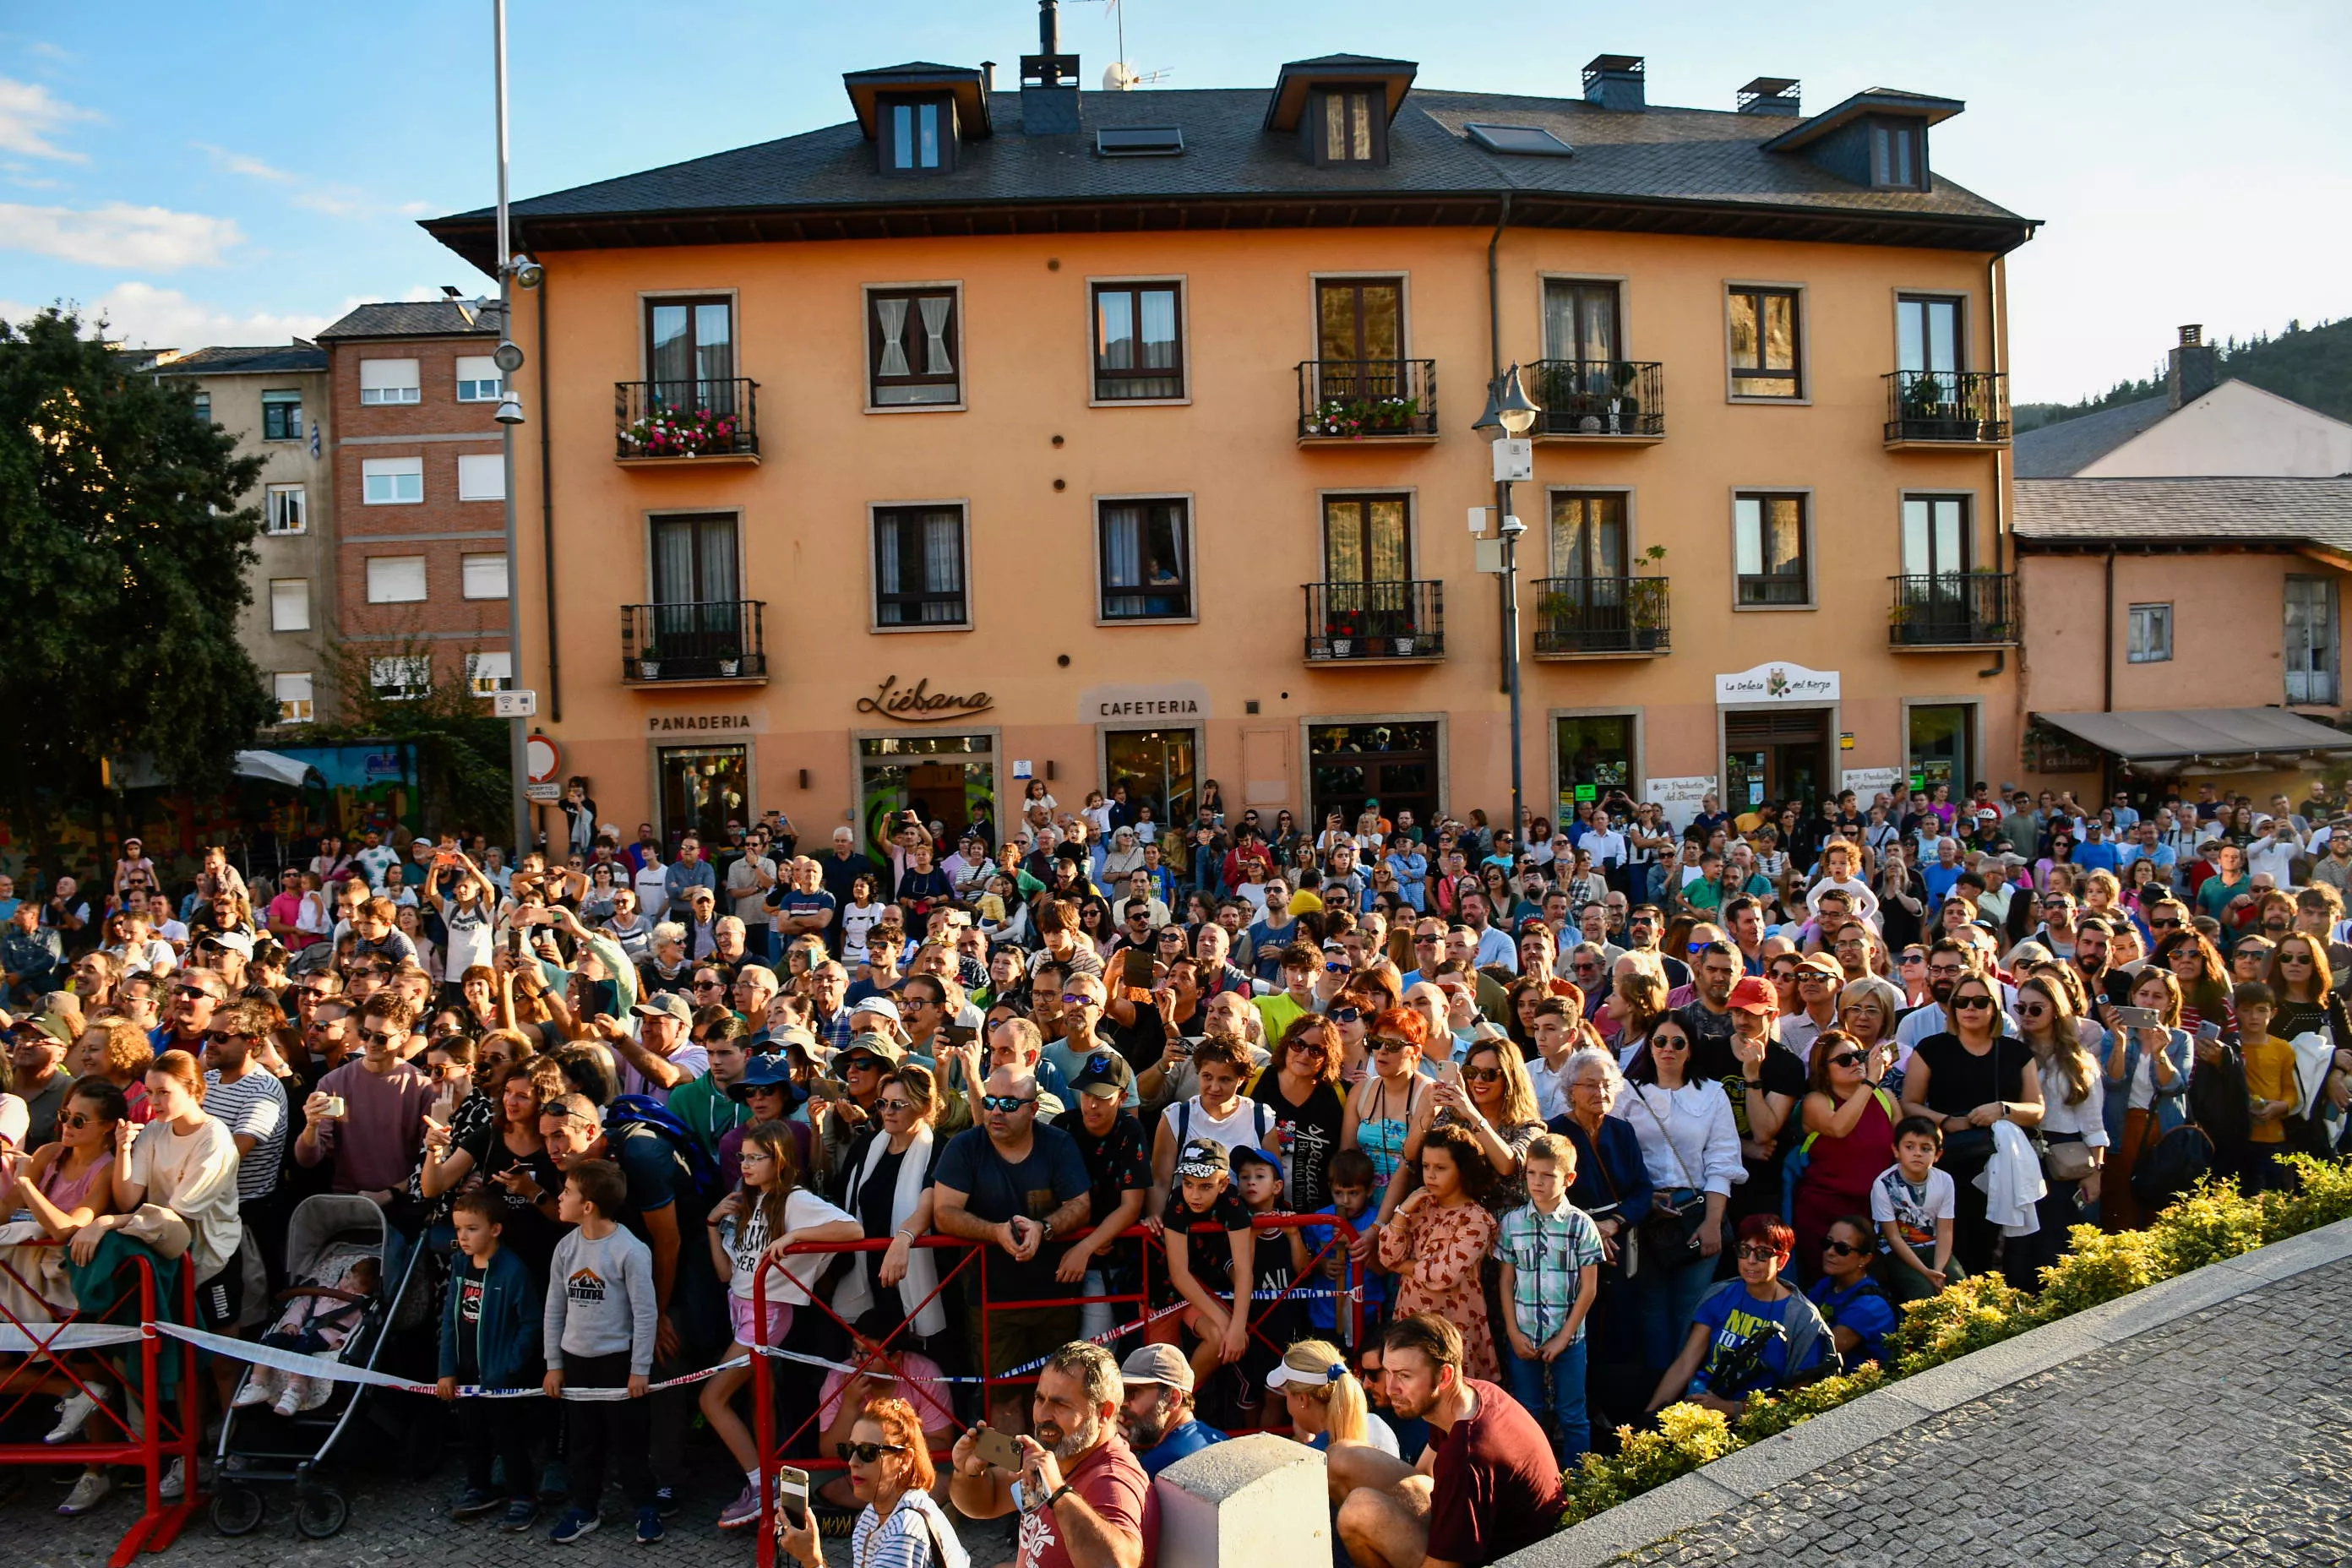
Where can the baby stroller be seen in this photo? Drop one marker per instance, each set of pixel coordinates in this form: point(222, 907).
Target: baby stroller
point(354, 1282)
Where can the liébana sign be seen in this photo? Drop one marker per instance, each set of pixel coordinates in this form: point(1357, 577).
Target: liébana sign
point(918, 704)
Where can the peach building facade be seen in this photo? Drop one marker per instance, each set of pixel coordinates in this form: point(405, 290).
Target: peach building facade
point(865, 488)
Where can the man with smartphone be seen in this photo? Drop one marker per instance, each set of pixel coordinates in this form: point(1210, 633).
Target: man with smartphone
point(1082, 1498)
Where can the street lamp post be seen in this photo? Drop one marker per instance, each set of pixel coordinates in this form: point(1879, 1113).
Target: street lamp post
point(1510, 414)
point(509, 414)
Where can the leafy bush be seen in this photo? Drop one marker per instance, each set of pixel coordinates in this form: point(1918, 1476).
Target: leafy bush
point(1687, 1436)
point(1966, 1315)
point(1767, 1416)
point(2211, 1223)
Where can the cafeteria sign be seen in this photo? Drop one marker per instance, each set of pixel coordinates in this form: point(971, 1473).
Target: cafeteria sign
point(1778, 682)
point(918, 704)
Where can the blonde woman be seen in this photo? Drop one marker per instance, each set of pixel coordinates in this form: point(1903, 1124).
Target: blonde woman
point(2073, 1124)
point(1327, 1405)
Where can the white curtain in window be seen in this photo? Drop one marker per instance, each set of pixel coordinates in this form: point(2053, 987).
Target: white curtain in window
point(1158, 328)
point(942, 566)
point(1123, 546)
point(885, 557)
point(894, 336)
point(934, 331)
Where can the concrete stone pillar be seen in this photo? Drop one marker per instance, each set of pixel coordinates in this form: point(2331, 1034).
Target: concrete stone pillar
point(1244, 1504)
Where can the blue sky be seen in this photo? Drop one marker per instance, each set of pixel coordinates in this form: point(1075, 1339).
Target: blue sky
point(241, 172)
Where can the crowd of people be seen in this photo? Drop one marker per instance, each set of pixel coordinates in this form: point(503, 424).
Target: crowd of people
point(1445, 1148)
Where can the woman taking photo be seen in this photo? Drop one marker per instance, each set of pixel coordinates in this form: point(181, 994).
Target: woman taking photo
point(2074, 1126)
point(1491, 1099)
point(890, 1470)
point(1690, 1147)
point(2146, 1089)
point(887, 1183)
point(1849, 1142)
point(1974, 1074)
point(509, 1154)
point(1301, 1088)
point(2204, 980)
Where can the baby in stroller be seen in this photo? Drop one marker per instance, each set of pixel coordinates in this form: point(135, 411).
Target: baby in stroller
point(320, 1314)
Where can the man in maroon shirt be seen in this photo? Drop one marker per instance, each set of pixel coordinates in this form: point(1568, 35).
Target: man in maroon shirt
point(1085, 1501)
point(1486, 1487)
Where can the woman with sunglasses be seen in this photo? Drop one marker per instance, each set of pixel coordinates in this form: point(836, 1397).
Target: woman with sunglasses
point(2062, 1041)
point(1967, 1078)
point(2147, 1073)
point(2204, 978)
point(1690, 1147)
point(886, 1181)
point(1848, 1298)
point(2301, 978)
point(1849, 1141)
point(888, 1468)
point(1492, 1099)
point(1301, 1088)
point(1715, 1368)
point(506, 1152)
point(1380, 1108)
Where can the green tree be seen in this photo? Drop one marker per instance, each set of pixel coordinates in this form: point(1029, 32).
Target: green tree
point(459, 750)
point(126, 550)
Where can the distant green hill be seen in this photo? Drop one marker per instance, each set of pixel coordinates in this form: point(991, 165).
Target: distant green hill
point(2312, 365)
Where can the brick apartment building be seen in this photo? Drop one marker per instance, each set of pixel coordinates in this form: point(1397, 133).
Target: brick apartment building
point(421, 582)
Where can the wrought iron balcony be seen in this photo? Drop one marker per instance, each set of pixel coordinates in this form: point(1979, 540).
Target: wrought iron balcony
point(656, 422)
point(1352, 622)
point(1944, 407)
point(1623, 616)
point(720, 640)
point(1600, 397)
point(1954, 609)
point(1364, 400)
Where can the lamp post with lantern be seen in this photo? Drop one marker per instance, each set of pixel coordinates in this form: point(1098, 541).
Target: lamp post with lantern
point(1510, 414)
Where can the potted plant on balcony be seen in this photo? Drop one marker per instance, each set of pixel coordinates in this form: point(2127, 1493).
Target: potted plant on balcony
point(1625, 408)
point(681, 432)
point(1925, 404)
point(1647, 614)
point(649, 662)
point(1344, 627)
point(1353, 419)
point(730, 658)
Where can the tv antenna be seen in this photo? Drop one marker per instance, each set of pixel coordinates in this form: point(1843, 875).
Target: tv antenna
point(1119, 76)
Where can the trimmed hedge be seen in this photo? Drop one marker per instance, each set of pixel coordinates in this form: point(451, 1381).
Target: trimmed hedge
point(2212, 1223)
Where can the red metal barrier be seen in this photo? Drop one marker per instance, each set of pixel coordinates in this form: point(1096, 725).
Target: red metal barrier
point(163, 1432)
point(780, 1449)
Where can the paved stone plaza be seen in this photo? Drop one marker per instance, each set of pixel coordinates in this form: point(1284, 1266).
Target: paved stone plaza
point(2222, 1438)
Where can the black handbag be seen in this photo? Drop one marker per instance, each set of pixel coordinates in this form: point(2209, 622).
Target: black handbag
point(2166, 1167)
point(1671, 1238)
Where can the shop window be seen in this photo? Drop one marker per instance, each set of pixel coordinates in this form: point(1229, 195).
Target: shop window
point(1596, 758)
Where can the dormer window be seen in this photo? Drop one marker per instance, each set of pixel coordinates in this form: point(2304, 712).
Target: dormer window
point(1350, 126)
point(1898, 155)
point(918, 135)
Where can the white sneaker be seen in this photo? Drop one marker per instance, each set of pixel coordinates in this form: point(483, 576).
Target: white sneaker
point(73, 1414)
point(88, 1493)
point(250, 1393)
point(175, 1483)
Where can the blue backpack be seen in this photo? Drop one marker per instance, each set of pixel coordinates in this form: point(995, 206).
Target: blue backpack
point(629, 1110)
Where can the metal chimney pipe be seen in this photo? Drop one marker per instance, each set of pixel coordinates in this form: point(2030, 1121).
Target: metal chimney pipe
point(1049, 27)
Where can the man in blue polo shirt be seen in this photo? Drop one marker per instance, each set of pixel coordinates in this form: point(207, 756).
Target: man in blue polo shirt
point(1157, 1417)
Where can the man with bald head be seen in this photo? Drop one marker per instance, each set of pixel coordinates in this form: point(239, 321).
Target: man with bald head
point(1017, 1185)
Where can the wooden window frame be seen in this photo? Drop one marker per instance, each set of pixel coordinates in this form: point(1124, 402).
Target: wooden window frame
point(886, 133)
point(1315, 124)
point(1734, 374)
point(1805, 555)
point(875, 516)
point(1189, 574)
point(1105, 379)
point(912, 293)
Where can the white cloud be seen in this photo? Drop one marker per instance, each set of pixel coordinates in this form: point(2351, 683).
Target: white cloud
point(240, 163)
point(145, 316)
point(118, 235)
point(29, 116)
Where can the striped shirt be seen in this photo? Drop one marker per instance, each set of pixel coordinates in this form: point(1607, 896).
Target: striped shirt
point(906, 1539)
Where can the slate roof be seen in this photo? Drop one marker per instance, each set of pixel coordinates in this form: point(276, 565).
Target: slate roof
point(417, 318)
point(2064, 449)
point(817, 184)
point(2275, 511)
point(283, 359)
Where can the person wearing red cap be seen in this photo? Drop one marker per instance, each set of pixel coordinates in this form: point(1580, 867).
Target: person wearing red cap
point(1764, 1083)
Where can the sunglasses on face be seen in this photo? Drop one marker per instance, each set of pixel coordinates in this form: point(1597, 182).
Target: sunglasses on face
point(1668, 1043)
point(1345, 1015)
point(1006, 1103)
point(887, 1106)
point(1383, 1047)
point(221, 1037)
point(1308, 1049)
point(1481, 1075)
point(1971, 1004)
point(1752, 1254)
point(1843, 1248)
point(198, 992)
point(708, 984)
point(866, 1453)
point(1846, 1059)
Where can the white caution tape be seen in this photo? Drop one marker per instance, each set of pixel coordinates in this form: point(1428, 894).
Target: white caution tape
point(338, 1371)
point(34, 1339)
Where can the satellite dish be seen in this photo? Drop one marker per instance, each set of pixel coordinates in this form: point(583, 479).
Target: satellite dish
point(1119, 76)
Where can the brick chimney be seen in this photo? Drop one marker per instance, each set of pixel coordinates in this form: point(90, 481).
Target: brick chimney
point(2195, 368)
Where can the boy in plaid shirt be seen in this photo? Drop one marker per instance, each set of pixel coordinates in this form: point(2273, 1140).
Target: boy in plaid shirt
point(1551, 1274)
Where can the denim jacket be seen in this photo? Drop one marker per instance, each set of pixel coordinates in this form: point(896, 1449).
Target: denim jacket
point(2171, 1099)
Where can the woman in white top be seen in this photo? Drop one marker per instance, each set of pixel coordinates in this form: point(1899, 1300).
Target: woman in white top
point(1125, 855)
point(1690, 1146)
point(2073, 1117)
point(1220, 1111)
point(653, 883)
